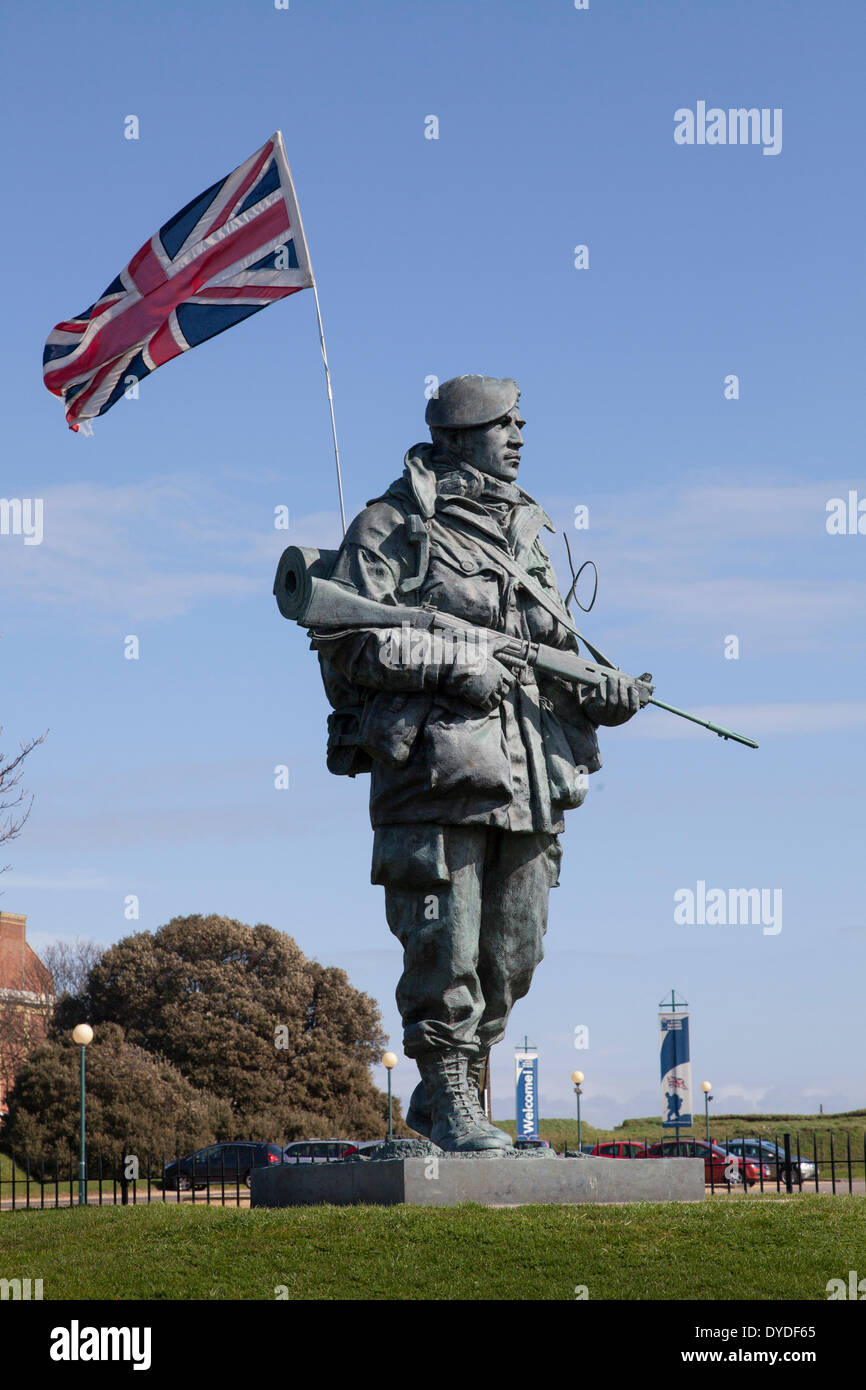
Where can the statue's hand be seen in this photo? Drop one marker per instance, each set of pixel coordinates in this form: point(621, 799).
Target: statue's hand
point(485, 685)
point(613, 703)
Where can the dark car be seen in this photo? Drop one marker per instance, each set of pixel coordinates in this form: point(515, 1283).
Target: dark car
point(319, 1150)
point(772, 1155)
point(531, 1144)
point(717, 1163)
point(619, 1148)
point(232, 1162)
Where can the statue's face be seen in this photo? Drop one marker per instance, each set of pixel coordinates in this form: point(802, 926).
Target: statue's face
point(494, 448)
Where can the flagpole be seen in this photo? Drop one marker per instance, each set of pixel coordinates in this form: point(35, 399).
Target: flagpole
point(331, 404)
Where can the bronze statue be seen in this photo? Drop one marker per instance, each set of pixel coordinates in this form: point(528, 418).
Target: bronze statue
point(475, 748)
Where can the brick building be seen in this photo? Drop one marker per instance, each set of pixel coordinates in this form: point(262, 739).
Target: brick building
point(26, 998)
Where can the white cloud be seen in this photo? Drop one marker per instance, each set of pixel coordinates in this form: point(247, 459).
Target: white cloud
point(677, 563)
point(773, 720)
point(734, 559)
point(150, 550)
point(736, 1094)
point(64, 885)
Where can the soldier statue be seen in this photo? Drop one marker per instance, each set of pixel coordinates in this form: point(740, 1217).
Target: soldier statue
point(473, 762)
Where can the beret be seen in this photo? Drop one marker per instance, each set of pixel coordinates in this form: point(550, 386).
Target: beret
point(467, 401)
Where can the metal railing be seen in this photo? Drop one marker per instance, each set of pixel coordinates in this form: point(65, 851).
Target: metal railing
point(51, 1182)
point(830, 1161)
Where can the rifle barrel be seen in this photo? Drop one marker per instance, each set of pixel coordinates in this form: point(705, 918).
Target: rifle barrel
point(705, 723)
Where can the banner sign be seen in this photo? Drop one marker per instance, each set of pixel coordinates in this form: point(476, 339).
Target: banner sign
point(676, 1070)
point(526, 1070)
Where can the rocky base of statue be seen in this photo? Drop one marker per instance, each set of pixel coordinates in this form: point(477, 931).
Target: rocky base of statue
point(423, 1148)
point(401, 1148)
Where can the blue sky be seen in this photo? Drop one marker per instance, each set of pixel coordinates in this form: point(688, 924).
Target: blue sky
point(707, 516)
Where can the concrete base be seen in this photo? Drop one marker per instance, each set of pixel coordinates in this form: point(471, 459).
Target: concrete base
point(492, 1181)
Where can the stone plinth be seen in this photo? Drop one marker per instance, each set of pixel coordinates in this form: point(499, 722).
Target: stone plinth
point(507, 1180)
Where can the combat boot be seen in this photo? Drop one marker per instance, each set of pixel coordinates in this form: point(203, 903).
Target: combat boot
point(458, 1123)
point(418, 1115)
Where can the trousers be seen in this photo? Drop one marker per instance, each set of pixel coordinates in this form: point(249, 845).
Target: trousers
point(468, 904)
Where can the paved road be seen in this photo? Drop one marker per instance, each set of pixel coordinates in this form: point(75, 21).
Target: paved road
point(109, 1200)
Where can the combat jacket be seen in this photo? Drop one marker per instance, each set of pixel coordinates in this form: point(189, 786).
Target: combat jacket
point(434, 756)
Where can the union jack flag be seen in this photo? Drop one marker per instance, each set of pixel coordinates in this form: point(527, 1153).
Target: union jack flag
point(229, 253)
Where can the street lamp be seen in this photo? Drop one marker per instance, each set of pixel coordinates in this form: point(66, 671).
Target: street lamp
point(390, 1061)
point(577, 1078)
point(706, 1087)
point(82, 1034)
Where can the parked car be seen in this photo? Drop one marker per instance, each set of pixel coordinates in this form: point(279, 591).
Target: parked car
point(370, 1147)
point(319, 1150)
point(716, 1161)
point(772, 1156)
point(230, 1161)
point(619, 1148)
point(531, 1144)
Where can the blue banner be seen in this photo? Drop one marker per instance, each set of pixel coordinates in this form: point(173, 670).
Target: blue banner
point(526, 1068)
point(676, 1070)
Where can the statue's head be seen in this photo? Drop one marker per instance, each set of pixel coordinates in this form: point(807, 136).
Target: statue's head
point(476, 420)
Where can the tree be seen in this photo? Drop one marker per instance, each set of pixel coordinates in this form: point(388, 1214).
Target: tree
point(12, 795)
point(70, 963)
point(245, 1016)
point(27, 1004)
point(135, 1101)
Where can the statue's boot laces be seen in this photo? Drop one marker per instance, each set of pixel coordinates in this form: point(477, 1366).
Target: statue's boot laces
point(418, 1115)
point(458, 1124)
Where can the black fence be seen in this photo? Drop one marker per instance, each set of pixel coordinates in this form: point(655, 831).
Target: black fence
point(51, 1182)
point(830, 1162)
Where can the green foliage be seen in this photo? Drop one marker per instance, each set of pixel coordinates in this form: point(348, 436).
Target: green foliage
point(133, 1098)
point(245, 1016)
point(761, 1250)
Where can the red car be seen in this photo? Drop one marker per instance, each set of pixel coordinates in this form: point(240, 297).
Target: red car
point(620, 1148)
point(716, 1161)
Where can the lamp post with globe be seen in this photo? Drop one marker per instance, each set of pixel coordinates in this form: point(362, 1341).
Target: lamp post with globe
point(82, 1034)
point(390, 1061)
point(706, 1087)
point(577, 1078)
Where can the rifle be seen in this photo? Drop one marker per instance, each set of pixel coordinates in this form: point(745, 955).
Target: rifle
point(329, 611)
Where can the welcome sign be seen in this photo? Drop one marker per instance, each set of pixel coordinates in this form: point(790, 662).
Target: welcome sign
point(526, 1069)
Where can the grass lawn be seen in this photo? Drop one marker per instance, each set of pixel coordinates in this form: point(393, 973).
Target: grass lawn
point(758, 1249)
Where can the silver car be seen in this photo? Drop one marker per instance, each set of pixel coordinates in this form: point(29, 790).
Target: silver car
point(765, 1151)
point(318, 1150)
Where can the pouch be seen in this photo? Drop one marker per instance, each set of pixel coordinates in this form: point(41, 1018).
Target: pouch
point(390, 726)
point(466, 753)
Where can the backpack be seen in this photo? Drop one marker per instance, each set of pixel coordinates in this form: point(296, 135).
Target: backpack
point(344, 757)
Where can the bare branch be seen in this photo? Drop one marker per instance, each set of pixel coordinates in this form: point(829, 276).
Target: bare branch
point(10, 776)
